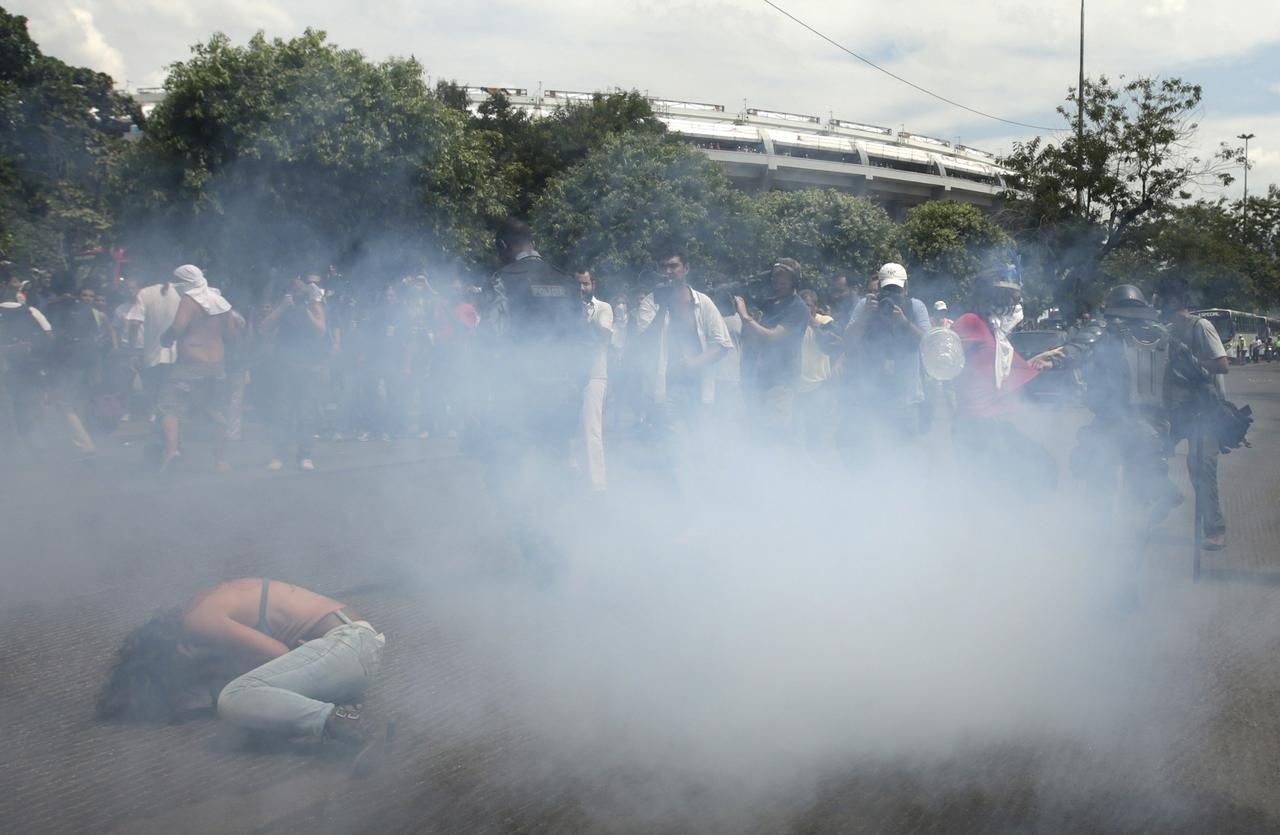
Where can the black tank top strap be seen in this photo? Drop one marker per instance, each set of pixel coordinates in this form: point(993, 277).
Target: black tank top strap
point(263, 626)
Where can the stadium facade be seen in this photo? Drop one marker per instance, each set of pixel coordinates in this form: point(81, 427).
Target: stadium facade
point(765, 149)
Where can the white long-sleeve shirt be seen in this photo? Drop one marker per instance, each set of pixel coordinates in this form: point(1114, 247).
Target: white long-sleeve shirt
point(711, 330)
point(601, 321)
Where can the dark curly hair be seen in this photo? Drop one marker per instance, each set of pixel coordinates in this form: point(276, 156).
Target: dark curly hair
point(150, 675)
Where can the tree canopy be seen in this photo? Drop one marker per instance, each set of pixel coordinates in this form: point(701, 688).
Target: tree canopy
point(59, 128)
point(826, 230)
point(280, 153)
point(1071, 203)
point(946, 243)
point(637, 192)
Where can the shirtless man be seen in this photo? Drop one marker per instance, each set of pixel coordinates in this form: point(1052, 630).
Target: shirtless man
point(298, 661)
point(201, 328)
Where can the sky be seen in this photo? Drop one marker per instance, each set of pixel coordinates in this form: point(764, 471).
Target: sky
point(1009, 58)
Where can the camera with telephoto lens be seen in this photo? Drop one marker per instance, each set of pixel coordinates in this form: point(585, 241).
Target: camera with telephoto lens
point(887, 304)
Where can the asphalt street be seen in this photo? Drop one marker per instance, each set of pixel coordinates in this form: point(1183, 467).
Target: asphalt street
point(92, 548)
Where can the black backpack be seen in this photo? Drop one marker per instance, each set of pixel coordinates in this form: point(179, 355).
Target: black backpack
point(21, 338)
point(1227, 422)
point(75, 330)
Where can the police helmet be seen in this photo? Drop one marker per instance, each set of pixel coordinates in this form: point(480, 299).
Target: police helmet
point(1127, 302)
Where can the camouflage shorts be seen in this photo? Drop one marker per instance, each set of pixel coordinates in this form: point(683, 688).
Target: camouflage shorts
point(195, 389)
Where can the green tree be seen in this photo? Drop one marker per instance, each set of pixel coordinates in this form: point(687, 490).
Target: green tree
point(532, 150)
point(946, 243)
point(60, 127)
point(636, 192)
point(1201, 242)
point(1071, 203)
point(826, 230)
point(279, 154)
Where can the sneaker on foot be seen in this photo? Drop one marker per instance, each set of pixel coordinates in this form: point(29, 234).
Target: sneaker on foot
point(386, 436)
point(276, 464)
point(423, 435)
point(307, 464)
point(347, 725)
point(1216, 542)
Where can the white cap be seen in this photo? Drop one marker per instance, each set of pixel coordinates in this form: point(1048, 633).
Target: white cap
point(892, 275)
point(939, 305)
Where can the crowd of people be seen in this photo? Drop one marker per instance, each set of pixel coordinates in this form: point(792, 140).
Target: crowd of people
point(540, 368)
point(310, 360)
point(544, 354)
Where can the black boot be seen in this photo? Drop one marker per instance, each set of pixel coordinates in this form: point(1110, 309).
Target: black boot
point(347, 725)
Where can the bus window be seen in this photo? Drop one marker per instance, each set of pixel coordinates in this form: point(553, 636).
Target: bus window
point(1223, 322)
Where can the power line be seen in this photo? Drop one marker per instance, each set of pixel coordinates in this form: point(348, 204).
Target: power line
point(896, 77)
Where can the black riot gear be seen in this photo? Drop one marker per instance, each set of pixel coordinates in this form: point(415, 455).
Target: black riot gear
point(1126, 301)
point(1123, 359)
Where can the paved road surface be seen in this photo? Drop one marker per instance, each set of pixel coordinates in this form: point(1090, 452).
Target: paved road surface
point(91, 548)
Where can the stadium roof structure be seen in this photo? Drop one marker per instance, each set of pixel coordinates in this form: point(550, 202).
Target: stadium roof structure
point(770, 149)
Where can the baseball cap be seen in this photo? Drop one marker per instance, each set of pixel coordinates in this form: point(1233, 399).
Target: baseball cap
point(939, 305)
point(892, 275)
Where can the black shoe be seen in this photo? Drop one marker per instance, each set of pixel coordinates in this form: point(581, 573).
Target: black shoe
point(370, 739)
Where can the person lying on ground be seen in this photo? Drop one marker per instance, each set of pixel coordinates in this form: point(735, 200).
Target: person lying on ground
point(290, 663)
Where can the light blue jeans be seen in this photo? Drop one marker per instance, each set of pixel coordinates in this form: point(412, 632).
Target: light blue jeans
point(294, 694)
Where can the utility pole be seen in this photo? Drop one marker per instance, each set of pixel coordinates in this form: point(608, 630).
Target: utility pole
point(1246, 137)
point(1080, 120)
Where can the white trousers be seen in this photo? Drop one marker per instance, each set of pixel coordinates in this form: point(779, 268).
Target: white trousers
point(593, 430)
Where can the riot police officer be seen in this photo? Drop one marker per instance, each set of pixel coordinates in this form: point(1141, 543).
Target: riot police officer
point(538, 363)
point(1123, 357)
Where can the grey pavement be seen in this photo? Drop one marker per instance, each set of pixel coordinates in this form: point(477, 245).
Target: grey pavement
point(91, 548)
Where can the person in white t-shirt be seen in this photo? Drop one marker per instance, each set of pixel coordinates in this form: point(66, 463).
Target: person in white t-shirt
point(600, 318)
point(152, 313)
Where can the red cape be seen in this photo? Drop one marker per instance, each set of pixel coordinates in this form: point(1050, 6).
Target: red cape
point(976, 392)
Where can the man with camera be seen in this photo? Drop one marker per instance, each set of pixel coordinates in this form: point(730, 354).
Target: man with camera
point(771, 350)
point(883, 340)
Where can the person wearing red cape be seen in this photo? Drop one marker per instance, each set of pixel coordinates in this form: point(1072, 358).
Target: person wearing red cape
point(988, 391)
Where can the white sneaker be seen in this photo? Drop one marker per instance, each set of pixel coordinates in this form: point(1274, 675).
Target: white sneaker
point(276, 464)
point(307, 464)
point(423, 435)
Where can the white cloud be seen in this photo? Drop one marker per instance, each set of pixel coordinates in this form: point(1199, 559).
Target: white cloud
point(71, 25)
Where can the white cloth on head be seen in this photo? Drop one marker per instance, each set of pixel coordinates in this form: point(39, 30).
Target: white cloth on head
point(190, 281)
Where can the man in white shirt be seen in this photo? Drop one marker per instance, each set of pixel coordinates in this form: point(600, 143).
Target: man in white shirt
point(686, 338)
point(600, 321)
point(152, 313)
point(690, 338)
